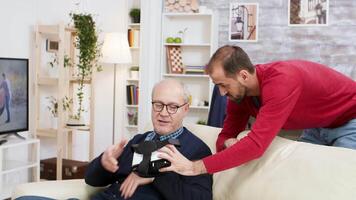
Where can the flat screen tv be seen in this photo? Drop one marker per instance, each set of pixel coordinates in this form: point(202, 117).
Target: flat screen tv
point(13, 95)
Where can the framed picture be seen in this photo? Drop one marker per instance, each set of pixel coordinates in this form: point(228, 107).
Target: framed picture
point(174, 60)
point(308, 12)
point(52, 45)
point(243, 22)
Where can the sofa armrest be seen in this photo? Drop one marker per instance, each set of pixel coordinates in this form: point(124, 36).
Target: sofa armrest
point(56, 189)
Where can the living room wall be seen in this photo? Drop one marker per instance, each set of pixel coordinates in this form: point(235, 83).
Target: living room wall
point(332, 45)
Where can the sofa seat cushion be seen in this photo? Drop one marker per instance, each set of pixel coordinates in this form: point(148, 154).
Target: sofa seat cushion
point(291, 170)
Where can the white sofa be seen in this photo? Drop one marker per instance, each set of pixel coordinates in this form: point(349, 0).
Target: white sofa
point(288, 170)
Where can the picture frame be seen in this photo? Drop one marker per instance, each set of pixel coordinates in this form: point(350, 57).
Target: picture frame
point(308, 13)
point(52, 45)
point(243, 22)
point(174, 60)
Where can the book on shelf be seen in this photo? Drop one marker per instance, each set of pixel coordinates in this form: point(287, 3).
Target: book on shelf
point(132, 93)
point(134, 37)
point(189, 69)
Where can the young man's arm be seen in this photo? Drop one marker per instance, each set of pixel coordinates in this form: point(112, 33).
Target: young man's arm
point(235, 122)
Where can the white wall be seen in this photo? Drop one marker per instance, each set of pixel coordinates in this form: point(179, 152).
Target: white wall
point(17, 18)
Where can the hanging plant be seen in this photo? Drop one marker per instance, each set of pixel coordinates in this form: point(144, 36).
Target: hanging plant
point(86, 42)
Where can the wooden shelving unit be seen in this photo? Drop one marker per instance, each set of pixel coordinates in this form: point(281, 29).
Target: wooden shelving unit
point(61, 86)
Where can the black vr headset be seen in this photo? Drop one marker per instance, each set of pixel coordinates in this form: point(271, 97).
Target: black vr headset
point(145, 161)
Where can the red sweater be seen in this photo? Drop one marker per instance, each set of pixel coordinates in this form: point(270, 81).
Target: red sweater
point(293, 95)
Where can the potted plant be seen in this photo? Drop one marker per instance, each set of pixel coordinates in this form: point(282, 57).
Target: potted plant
point(86, 41)
point(135, 14)
point(53, 108)
point(134, 70)
point(54, 64)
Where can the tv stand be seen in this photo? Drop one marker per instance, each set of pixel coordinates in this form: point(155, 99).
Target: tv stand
point(26, 163)
point(15, 134)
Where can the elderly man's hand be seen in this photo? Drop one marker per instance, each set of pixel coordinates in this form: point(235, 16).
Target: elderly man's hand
point(110, 156)
point(179, 163)
point(129, 186)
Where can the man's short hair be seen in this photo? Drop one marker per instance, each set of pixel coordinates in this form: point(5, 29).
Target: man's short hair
point(232, 58)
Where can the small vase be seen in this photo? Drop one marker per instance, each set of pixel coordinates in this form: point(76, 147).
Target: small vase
point(132, 118)
point(53, 72)
point(75, 122)
point(54, 122)
point(136, 19)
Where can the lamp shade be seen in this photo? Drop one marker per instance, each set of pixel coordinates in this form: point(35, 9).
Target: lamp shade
point(116, 49)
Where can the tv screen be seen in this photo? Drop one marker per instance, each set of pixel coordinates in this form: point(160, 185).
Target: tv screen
point(13, 95)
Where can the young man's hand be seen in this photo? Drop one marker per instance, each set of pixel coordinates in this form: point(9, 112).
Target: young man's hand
point(229, 142)
point(110, 156)
point(129, 186)
point(179, 163)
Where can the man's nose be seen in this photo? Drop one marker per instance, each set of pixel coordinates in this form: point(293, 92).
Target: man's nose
point(164, 111)
point(222, 91)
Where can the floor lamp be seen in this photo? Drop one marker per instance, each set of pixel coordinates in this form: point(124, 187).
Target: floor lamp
point(115, 51)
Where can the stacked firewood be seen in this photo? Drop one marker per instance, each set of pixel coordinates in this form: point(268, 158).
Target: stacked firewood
point(181, 6)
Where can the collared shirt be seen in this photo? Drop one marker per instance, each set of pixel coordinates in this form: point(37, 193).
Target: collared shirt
point(152, 135)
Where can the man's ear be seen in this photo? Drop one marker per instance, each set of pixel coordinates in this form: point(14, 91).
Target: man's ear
point(244, 74)
point(186, 109)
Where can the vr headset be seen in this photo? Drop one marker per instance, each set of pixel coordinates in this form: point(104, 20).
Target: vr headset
point(145, 161)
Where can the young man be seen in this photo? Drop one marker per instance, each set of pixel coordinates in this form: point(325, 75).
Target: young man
point(291, 94)
point(169, 107)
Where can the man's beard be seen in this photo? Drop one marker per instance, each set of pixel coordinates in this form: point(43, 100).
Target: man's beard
point(241, 97)
point(236, 100)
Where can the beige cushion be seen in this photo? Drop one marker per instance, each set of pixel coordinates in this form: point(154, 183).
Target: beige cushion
point(287, 170)
point(56, 189)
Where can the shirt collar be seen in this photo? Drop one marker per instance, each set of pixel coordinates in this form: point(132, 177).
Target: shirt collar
point(152, 135)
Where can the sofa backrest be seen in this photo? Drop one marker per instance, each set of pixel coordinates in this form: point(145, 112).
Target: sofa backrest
point(288, 170)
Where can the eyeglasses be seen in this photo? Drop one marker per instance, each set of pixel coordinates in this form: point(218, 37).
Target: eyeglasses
point(170, 108)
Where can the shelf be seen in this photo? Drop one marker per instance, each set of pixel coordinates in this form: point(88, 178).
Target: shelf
point(76, 80)
point(134, 25)
point(199, 107)
point(47, 132)
point(10, 166)
point(132, 80)
point(54, 29)
point(187, 75)
point(132, 126)
point(54, 81)
point(77, 128)
point(132, 106)
point(188, 44)
point(47, 81)
point(186, 14)
point(17, 142)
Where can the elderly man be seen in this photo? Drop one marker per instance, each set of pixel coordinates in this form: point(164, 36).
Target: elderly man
point(169, 107)
point(114, 166)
